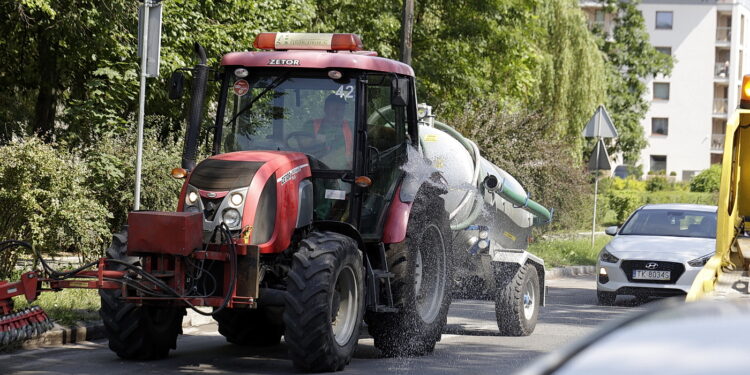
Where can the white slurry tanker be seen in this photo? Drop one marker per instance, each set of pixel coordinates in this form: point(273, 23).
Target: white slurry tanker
point(491, 218)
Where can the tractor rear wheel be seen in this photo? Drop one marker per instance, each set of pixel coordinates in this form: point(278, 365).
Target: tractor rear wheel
point(248, 327)
point(422, 268)
point(517, 303)
point(136, 332)
point(325, 302)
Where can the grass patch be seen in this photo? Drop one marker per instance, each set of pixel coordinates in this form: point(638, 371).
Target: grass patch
point(558, 252)
point(67, 306)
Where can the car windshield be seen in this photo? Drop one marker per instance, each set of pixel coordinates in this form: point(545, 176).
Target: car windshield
point(313, 115)
point(677, 223)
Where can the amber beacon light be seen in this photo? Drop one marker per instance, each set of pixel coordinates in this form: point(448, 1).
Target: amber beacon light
point(745, 97)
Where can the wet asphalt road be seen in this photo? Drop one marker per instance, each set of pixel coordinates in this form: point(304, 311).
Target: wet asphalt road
point(470, 344)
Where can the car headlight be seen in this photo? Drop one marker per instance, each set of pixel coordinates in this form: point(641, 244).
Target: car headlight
point(231, 217)
point(191, 197)
point(700, 262)
point(607, 257)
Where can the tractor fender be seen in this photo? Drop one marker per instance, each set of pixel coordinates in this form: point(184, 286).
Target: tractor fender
point(394, 228)
point(341, 227)
point(506, 262)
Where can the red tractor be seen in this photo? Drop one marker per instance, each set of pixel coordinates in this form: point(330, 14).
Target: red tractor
point(302, 223)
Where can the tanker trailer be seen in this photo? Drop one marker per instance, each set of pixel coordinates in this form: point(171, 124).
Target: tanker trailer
point(491, 218)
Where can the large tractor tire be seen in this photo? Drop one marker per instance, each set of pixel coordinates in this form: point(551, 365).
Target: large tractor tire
point(325, 302)
point(248, 327)
point(136, 332)
point(422, 269)
point(517, 304)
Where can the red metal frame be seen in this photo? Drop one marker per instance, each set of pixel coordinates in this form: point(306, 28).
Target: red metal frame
point(167, 267)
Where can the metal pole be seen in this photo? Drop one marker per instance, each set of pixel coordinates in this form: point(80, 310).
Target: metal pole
point(407, 24)
point(141, 107)
point(596, 191)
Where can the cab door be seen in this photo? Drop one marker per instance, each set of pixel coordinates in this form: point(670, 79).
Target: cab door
point(387, 142)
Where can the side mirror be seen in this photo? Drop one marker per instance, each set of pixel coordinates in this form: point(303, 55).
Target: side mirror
point(611, 230)
point(399, 92)
point(176, 85)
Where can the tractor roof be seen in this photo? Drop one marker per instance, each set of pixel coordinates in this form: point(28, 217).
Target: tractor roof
point(314, 51)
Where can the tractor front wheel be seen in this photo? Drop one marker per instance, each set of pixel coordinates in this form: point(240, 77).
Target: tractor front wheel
point(325, 302)
point(136, 332)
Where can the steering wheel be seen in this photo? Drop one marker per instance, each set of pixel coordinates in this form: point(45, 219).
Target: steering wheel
point(307, 143)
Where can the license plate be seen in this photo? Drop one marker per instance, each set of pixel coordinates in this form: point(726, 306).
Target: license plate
point(651, 275)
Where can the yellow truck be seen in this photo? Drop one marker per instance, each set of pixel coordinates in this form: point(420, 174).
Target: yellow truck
point(727, 273)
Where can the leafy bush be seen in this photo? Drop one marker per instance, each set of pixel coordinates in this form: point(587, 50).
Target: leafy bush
point(657, 183)
point(623, 203)
point(679, 197)
point(46, 201)
point(112, 164)
point(708, 180)
point(628, 183)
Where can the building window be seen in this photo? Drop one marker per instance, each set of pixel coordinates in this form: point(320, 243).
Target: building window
point(659, 126)
point(599, 17)
point(661, 90)
point(665, 50)
point(658, 163)
point(664, 20)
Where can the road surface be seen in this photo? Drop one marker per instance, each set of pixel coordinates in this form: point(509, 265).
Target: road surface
point(470, 344)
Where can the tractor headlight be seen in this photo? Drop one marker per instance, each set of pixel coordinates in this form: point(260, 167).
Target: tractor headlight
point(483, 234)
point(191, 198)
point(231, 217)
point(607, 257)
point(236, 199)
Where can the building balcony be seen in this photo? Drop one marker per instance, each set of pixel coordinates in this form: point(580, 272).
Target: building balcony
point(721, 70)
point(723, 34)
point(717, 142)
point(720, 107)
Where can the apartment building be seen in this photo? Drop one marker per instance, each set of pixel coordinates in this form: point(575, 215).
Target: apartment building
point(689, 108)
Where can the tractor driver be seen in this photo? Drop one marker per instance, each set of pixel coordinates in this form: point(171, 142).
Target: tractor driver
point(334, 133)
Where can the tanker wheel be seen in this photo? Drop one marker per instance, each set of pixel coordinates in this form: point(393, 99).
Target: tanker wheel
point(136, 332)
point(422, 270)
point(249, 327)
point(517, 304)
point(325, 302)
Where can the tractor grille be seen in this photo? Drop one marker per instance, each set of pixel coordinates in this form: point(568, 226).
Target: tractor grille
point(629, 265)
point(210, 206)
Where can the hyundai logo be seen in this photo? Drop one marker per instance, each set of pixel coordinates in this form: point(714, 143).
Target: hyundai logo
point(652, 265)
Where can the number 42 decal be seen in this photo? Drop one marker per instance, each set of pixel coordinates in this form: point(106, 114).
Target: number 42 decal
point(345, 92)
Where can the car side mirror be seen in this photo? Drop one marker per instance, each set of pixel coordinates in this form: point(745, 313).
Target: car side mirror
point(176, 85)
point(611, 230)
point(399, 92)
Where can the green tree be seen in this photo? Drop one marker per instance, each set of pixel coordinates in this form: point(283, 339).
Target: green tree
point(632, 59)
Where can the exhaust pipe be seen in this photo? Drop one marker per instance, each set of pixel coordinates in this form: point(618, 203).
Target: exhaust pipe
point(197, 97)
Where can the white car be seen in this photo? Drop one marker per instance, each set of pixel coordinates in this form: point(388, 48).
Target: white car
point(657, 252)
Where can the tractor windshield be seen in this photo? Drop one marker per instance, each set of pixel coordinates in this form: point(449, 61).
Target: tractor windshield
point(308, 114)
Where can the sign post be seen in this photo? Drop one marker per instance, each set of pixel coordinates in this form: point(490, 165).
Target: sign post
point(599, 126)
point(149, 26)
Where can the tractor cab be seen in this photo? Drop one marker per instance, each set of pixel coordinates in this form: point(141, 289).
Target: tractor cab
point(351, 113)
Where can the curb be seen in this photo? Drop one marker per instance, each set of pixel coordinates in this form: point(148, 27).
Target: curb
point(64, 335)
point(89, 331)
point(570, 271)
